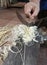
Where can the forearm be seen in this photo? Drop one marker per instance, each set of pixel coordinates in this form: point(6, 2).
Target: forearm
point(35, 1)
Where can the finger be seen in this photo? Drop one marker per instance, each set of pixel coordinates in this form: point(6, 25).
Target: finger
point(31, 13)
point(27, 9)
point(28, 13)
point(31, 17)
point(36, 11)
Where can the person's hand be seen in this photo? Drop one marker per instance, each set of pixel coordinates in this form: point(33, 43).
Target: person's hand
point(31, 9)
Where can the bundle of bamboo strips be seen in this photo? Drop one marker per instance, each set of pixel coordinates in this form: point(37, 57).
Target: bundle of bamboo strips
point(11, 3)
point(5, 3)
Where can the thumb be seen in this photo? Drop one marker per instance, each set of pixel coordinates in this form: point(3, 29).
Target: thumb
point(36, 11)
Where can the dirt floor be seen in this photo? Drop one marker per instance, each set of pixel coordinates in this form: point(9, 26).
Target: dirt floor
point(9, 16)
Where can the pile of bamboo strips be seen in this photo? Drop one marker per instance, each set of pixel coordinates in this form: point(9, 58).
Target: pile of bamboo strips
point(5, 3)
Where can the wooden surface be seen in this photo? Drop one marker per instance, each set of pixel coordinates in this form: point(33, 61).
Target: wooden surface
point(8, 16)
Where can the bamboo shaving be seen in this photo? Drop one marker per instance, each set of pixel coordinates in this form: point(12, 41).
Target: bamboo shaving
point(12, 34)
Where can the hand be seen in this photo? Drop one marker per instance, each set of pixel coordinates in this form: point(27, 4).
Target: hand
point(31, 7)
